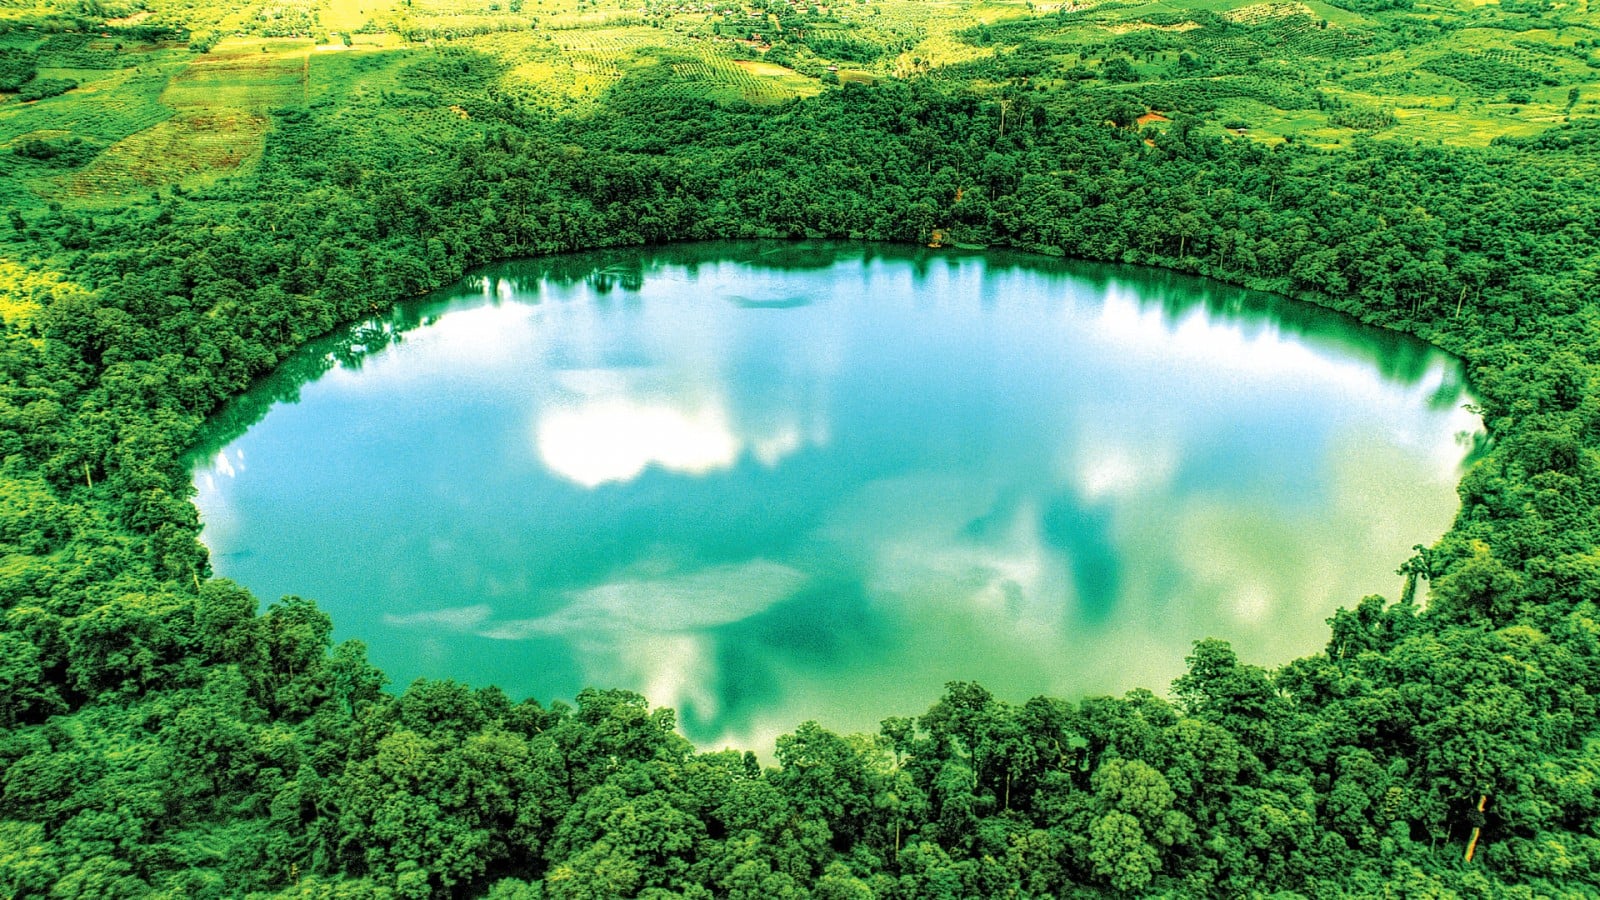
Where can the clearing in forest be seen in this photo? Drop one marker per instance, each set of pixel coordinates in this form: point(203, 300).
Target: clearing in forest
point(218, 124)
point(348, 16)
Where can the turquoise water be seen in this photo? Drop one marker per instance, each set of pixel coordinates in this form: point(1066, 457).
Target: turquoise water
point(764, 483)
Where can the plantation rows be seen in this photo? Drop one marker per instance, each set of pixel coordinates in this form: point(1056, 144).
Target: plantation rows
point(603, 55)
point(1493, 70)
point(1262, 13)
point(105, 118)
point(1302, 36)
point(613, 42)
point(219, 101)
point(450, 27)
point(215, 92)
point(724, 73)
point(584, 63)
point(754, 93)
point(1297, 36)
point(597, 64)
point(98, 54)
point(1559, 52)
point(1231, 48)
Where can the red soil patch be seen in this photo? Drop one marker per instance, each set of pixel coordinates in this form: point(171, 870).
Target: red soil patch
point(1149, 117)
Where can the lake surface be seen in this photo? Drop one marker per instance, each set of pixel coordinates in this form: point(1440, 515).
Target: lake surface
point(764, 483)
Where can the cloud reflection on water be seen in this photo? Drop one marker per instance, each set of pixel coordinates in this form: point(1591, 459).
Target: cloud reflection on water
point(767, 512)
point(609, 426)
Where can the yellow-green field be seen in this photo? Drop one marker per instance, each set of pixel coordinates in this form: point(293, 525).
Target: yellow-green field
point(348, 16)
point(212, 123)
point(163, 113)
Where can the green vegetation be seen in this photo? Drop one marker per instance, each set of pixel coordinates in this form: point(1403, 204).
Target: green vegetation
point(181, 220)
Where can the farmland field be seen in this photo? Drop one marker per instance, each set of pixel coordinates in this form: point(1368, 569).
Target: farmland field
point(162, 114)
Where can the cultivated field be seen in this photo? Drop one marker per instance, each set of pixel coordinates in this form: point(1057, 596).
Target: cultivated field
point(135, 111)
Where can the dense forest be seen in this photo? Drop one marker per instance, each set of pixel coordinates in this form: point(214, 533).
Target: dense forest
point(165, 736)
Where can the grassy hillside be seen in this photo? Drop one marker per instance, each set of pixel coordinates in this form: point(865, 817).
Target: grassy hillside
point(156, 112)
point(190, 192)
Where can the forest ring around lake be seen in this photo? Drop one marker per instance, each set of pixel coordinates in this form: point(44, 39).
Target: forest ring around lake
point(165, 736)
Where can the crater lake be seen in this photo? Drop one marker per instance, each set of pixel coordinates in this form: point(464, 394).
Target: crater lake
point(770, 482)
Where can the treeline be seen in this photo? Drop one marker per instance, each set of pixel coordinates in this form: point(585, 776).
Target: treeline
point(161, 736)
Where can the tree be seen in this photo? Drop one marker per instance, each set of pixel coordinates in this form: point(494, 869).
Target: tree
point(1240, 698)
